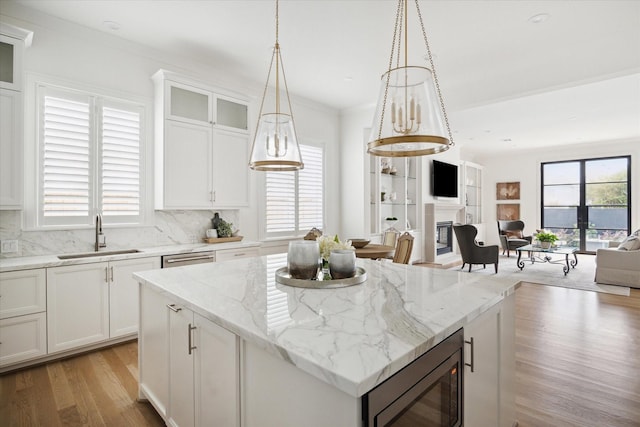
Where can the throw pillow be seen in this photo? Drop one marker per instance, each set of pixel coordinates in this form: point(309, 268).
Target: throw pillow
point(516, 234)
point(631, 243)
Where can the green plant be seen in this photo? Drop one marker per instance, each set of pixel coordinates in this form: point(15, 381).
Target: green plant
point(545, 236)
point(224, 228)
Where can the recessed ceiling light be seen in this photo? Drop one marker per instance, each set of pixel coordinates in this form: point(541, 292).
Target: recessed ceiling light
point(506, 140)
point(539, 18)
point(348, 79)
point(111, 25)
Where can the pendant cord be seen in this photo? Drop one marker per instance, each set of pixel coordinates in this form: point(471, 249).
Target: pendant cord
point(435, 76)
point(386, 86)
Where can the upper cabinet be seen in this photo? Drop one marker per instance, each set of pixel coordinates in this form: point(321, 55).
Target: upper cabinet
point(472, 192)
point(202, 146)
point(13, 42)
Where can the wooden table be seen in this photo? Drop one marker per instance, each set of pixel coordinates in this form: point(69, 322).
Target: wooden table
point(374, 250)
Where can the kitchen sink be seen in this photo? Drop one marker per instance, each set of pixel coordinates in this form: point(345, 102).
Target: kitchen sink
point(94, 254)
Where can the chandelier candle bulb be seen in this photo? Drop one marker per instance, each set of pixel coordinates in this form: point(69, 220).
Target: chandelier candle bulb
point(412, 110)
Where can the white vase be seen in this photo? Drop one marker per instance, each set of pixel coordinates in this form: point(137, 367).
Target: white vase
point(545, 245)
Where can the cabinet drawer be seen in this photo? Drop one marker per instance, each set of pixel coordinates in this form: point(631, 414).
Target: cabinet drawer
point(23, 338)
point(229, 254)
point(22, 292)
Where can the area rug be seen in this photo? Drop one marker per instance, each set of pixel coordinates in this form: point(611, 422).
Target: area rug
point(580, 277)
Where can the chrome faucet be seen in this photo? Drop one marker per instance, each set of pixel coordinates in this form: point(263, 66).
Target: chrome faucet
point(101, 240)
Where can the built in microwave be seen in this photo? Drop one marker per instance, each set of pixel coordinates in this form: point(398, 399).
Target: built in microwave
point(426, 393)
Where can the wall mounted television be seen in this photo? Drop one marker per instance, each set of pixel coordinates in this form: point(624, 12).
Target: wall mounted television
point(445, 179)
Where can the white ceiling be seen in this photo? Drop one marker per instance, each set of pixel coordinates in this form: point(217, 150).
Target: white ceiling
point(507, 82)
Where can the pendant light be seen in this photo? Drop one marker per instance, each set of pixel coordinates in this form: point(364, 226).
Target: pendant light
point(410, 118)
point(275, 145)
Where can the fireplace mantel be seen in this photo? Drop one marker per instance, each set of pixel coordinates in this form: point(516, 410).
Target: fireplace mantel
point(434, 213)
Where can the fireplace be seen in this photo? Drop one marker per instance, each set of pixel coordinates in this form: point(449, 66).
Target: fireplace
point(434, 214)
point(444, 237)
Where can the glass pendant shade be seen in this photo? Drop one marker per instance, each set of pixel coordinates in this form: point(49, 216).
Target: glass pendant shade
point(408, 119)
point(275, 147)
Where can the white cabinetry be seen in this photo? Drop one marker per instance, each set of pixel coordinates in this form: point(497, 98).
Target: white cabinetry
point(198, 383)
point(229, 254)
point(89, 303)
point(490, 367)
point(395, 197)
point(123, 294)
point(13, 41)
point(153, 349)
point(395, 189)
point(472, 192)
point(78, 306)
point(22, 316)
point(202, 146)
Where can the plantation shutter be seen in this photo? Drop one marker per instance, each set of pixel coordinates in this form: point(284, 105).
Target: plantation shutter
point(120, 163)
point(310, 188)
point(294, 199)
point(66, 159)
point(90, 159)
point(281, 202)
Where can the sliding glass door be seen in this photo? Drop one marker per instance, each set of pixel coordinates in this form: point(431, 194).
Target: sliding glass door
point(587, 203)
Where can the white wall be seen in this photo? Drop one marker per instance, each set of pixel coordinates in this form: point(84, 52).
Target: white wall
point(88, 58)
point(524, 167)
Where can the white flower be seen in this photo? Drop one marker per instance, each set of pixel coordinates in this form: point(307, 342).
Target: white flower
point(329, 243)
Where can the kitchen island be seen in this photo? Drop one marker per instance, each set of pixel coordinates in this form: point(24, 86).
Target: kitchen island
point(225, 343)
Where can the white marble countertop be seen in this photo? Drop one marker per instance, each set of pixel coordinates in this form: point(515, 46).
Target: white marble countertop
point(42, 261)
point(352, 338)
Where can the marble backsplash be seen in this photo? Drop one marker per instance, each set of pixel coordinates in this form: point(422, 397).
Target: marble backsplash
point(166, 228)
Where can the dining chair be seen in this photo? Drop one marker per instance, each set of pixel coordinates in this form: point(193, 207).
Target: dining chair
point(404, 247)
point(389, 237)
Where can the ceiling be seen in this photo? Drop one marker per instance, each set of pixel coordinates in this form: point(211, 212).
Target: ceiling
point(507, 82)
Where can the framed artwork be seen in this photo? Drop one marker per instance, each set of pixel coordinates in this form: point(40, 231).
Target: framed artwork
point(508, 191)
point(508, 211)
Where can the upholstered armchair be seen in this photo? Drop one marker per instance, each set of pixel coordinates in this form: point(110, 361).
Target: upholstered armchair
point(512, 236)
point(620, 263)
point(471, 251)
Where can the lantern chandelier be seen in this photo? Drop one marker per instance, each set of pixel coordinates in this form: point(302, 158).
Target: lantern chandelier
point(275, 145)
point(410, 118)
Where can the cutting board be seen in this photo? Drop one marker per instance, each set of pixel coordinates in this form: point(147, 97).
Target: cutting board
point(222, 239)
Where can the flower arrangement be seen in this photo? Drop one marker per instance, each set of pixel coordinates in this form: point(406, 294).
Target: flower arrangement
point(329, 243)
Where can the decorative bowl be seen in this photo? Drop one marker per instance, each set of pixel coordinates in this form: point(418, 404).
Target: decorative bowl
point(359, 243)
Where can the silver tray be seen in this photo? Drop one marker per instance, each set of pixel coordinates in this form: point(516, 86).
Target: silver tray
point(283, 277)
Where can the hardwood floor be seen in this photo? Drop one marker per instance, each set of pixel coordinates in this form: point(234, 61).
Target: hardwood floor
point(577, 364)
point(94, 389)
point(577, 358)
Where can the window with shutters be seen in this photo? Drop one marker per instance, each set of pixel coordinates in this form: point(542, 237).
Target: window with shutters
point(294, 200)
point(89, 158)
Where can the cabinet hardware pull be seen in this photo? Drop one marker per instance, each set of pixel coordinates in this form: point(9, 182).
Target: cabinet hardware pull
point(211, 196)
point(111, 268)
point(191, 347)
point(173, 308)
point(471, 365)
point(195, 258)
point(214, 195)
point(106, 275)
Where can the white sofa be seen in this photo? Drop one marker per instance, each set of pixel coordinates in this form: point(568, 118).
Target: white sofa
point(618, 267)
